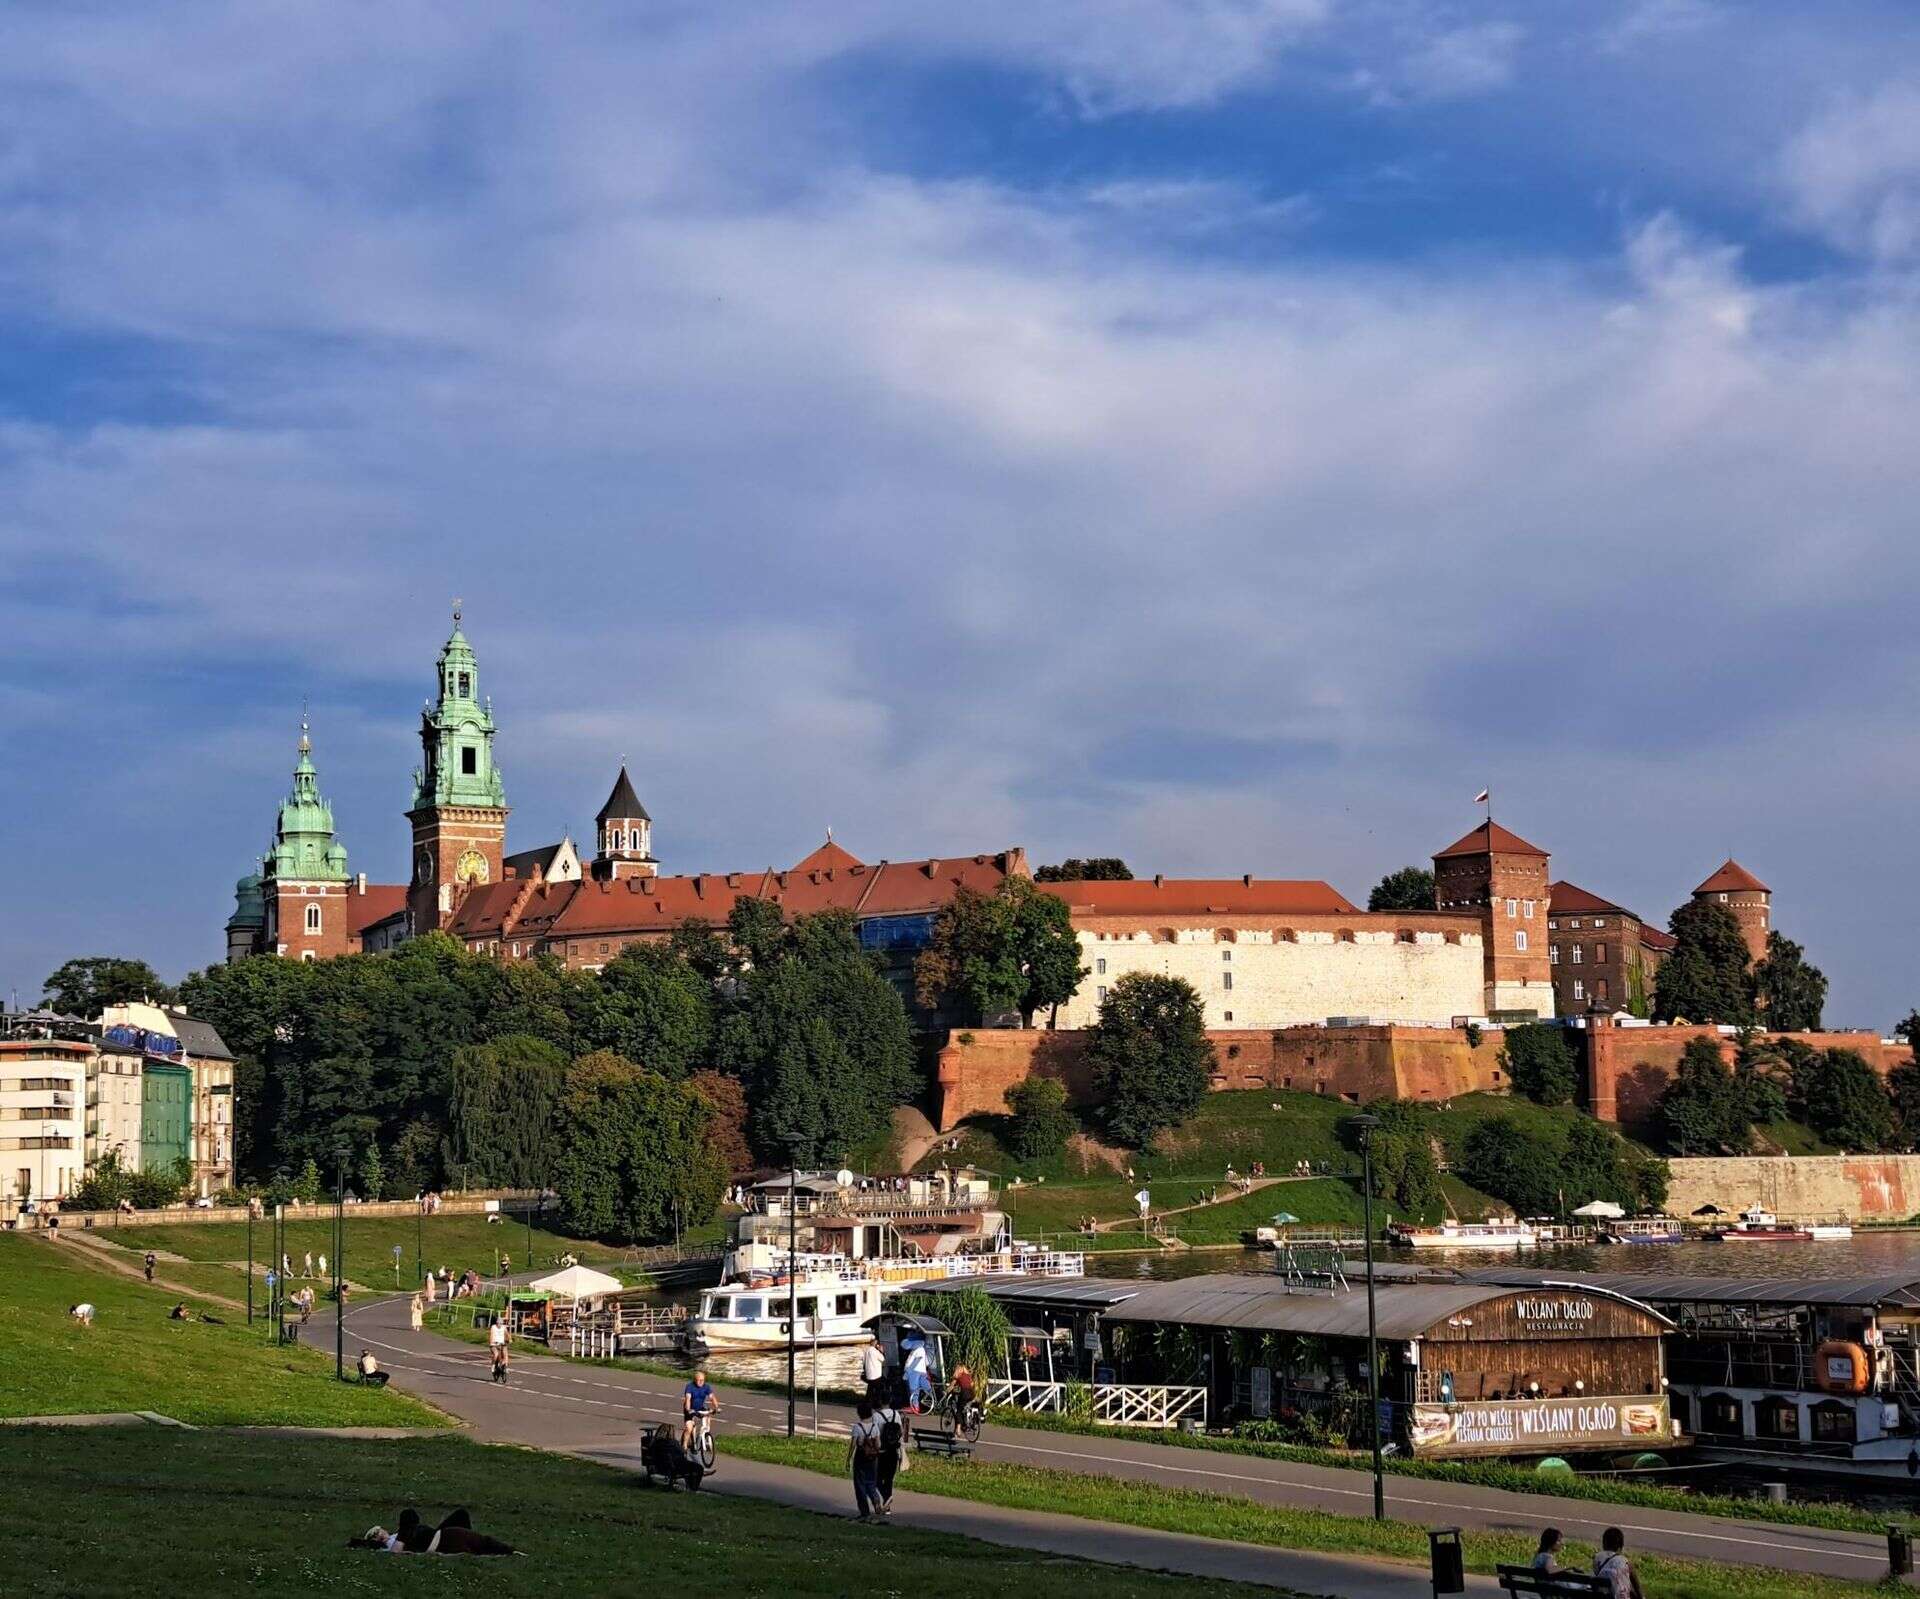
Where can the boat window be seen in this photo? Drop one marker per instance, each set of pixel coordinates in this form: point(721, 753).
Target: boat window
point(748, 1309)
point(805, 1307)
point(1833, 1422)
point(1720, 1413)
point(1776, 1418)
point(846, 1305)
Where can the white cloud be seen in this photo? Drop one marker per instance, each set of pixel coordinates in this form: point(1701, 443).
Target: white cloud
point(1853, 174)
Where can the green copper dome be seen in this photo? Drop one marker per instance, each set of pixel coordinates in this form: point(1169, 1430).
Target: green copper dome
point(304, 848)
point(249, 903)
point(456, 735)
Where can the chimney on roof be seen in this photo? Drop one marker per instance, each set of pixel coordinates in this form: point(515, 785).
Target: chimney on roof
point(633, 885)
point(363, 882)
point(933, 868)
point(699, 887)
point(1246, 879)
point(733, 879)
point(646, 884)
point(1159, 880)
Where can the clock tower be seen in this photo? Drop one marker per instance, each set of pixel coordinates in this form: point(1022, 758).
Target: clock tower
point(459, 812)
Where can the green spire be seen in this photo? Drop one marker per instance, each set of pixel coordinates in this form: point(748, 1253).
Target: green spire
point(456, 735)
point(304, 848)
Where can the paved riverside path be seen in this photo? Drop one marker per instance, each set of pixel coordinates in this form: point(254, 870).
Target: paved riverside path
point(599, 1410)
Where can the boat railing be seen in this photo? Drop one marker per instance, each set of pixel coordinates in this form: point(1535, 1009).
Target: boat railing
point(928, 1268)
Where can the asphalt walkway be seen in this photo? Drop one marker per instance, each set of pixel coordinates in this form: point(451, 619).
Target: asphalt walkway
point(598, 1411)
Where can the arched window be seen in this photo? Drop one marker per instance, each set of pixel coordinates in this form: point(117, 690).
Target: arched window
point(313, 918)
point(1776, 1417)
point(1720, 1415)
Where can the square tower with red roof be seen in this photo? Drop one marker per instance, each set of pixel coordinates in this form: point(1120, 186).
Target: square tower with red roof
point(1504, 878)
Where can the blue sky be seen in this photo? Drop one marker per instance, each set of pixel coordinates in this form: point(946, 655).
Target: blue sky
point(1226, 433)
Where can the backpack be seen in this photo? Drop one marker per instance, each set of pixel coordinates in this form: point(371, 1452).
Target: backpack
point(891, 1435)
point(869, 1445)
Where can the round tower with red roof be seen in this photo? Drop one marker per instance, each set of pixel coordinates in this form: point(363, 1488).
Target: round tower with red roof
point(1750, 900)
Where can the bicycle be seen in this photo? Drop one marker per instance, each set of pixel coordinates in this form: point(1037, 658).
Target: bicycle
point(702, 1451)
point(962, 1415)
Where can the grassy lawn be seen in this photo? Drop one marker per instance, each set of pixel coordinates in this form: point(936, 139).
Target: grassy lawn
point(458, 1242)
point(134, 1358)
point(170, 1515)
point(1222, 1516)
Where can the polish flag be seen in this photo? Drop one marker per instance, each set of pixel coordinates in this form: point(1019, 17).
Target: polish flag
point(1482, 797)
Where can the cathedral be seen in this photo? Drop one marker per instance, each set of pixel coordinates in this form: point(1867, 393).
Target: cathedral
point(304, 903)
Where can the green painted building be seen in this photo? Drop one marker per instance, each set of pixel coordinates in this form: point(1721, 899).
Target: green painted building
point(166, 1114)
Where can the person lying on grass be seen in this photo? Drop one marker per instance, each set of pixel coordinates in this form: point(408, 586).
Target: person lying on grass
point(412, 1536)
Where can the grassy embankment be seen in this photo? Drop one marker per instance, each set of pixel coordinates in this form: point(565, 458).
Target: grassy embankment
point(456, 1242)
point(172, 1515)
point(1210, 1515)
point(135, 1358)
point(1275, 1126)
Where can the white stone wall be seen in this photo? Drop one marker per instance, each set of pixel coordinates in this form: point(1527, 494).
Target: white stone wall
point(1524, 996)
point(1279, 981)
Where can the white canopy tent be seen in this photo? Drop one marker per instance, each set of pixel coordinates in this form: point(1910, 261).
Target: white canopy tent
point(577, 1282)
point(1601, 1207)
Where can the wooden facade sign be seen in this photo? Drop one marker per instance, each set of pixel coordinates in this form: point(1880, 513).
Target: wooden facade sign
point(1538, 1426)
point(1546, 1313)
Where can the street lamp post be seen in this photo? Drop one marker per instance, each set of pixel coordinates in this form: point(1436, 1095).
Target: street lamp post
point(340, 1273)
point(1367, 1126)
point(249, 1262)
point(793, 1289)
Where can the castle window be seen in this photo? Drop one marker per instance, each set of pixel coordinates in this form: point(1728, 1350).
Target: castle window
point(1579, 989)
point(1513, 909)
point(466, 685)
point(1226, 954)
point(1723, 899)
point(1552, 925)
point(1226, 981)
point(1579, 953)
point(1100, 965)
point(1600, 990)
point(313, 918)
point(1575, 924)
point(1228, 1015)
point(1519, 938)
point(1553, 954)
point(1101, 993)
point(306, 954)
point(1599, 921)
point(469, 761)
point(1526, 909)
point(1599, 954)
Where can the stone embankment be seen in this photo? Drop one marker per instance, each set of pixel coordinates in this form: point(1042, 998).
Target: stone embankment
point(188, 1216)
point(1801, 1187)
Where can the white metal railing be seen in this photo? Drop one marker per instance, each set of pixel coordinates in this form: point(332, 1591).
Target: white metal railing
point(1128, 1405)
point(934, 1268)
point(1022, 1394)
point(591, 1343)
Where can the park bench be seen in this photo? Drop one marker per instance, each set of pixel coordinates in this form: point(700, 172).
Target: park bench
point(941, 1441)
point(1553, 1584)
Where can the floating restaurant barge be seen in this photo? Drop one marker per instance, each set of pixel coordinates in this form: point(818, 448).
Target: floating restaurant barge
point(1468, 1368)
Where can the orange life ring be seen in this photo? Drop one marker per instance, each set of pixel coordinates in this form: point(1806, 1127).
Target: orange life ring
point(1841, 1366)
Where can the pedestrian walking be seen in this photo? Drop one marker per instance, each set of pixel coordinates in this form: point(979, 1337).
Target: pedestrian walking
point(430, 1288)
point(323, 1266)
point(286, 1267)
point(150, 1263)
point(863, 1452)
point(415, 1313)
point(873, 1370)
point(893, 1451)
point(306, 1266)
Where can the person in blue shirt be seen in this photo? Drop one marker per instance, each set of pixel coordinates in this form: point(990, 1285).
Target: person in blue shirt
point(696, 1399)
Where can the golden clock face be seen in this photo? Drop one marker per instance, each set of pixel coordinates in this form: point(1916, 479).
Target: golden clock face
point(472, 867)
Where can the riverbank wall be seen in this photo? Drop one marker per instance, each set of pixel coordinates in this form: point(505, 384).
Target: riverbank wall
point(1800, 1187)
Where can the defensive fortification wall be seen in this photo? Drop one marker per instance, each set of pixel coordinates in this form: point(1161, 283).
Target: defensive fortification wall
point(1628, 1068)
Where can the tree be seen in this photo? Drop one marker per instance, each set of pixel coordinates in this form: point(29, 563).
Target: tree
point(1409, 889)
point(1909, 1029)
point(1539, 1063)
point(726, 1119)
point(1041, 1122)
point(1701, 1112)
point(653, 1007)
point(1150, 1054)
point(1013, 949)
point(1092, 869)
point(1789, 993)
point(1705, 977)
point(1903, 1088)
point(415, 1164)
point(86, 986)
point(1845, 1101)
point(306, 1187)
point(1597, 1163)
point(819, 1040)
point(1405, 1172)
point(1500, 1157)
point(502, 1108)
point(634, 1161)
point(373, 1173)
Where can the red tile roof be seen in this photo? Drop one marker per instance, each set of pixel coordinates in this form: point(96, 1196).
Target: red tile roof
point(1490, 838)
point(828, 857)
point(1204, 896)
point(1566, 898)
point(1733, 878)
point(375, 903)
point(1653, 938)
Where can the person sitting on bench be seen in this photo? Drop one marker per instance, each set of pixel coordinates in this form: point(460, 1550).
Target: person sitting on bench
point(370, 1371)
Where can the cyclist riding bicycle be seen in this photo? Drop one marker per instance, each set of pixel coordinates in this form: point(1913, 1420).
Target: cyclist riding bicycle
point(696, 1401)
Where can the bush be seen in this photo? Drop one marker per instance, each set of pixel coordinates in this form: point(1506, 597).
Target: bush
point(1539, 1062)
point(1041, 1123)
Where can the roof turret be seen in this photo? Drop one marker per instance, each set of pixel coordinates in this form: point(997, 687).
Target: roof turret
point(304, 848)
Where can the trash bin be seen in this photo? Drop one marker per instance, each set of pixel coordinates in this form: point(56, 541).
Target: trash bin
point(1899, 1551)
point(1449, 1560)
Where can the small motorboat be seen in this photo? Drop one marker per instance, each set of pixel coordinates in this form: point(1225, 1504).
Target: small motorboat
point(1758, 1225)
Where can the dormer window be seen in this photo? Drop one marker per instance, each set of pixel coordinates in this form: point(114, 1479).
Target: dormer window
point(466, 685)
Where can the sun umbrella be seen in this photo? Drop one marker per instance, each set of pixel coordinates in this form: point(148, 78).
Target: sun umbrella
point(1709, 1210)
point(1601, 1207)
point(1283, 1218)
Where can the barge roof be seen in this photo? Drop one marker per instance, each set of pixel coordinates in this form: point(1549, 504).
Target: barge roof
point(1899, 1289)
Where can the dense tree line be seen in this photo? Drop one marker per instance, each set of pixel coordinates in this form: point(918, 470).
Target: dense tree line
point(1711, 1106)
point(1709, 976)
point(429, 1063)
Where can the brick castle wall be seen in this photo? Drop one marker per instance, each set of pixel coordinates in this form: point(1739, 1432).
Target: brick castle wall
point(1352, 1063)
point(1628, 1068)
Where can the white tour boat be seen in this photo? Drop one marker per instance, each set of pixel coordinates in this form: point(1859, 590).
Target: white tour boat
point(1499, 1232)
point(754, 1314)
point(1758, 1225)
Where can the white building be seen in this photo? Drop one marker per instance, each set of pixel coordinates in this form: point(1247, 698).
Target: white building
point(43, 1107)
point(113, 1104)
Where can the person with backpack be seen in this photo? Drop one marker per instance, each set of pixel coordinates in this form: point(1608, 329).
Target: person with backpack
point(893, 1452)
point(151, 1262)
point(863, 1451)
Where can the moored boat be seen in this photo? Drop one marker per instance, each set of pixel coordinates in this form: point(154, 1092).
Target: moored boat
point(1498, 1232)
point(1643, 1230)
point(825, 1308)
point(1757, 1225)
